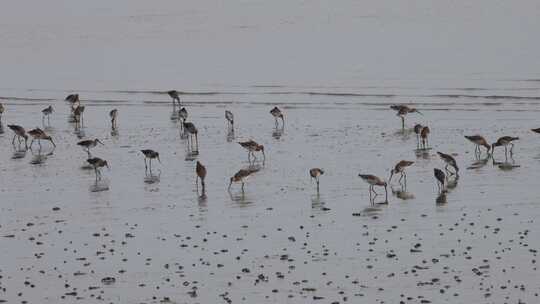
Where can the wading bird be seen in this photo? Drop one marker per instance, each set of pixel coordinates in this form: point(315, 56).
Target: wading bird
point(78, 112)
point(441, 179)
point(241, 176)
point(417, 130)
point(504, 141)
point(39, 134)
point(193, 132)
point(373, 181)
point(200, 170)
point(230, 118)
point(276, 112)
point(424, 134)
point(175, 97)
point(400, 168)
point(88, 144)
point(449, 161)
point(150, 154)
point(19, 133)
point(315, 173)
point(113, 114)
point(252, 147)
point(97, 163)
point(402, 111)
point(46, 113)
point(478, 141)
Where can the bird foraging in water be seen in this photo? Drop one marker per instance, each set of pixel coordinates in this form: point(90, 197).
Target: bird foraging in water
point(400, 168)
point(200, 170)
point(97, 163)
point(230, 118)
point(241, 176)
point(276, 112)
point(175, 97)
point(450, 161)
point(424, 134)
point(39, 134)
point(252, 147)
point(113, 114)
point(417, 130)
point(46, 113)
point(315, 173)
point(373, 181)
point(504, 141)
point(193, 132)
point(478, 141)
point(88, 144)
point(150, 154)
point(402, 111)
point(441, 179)
point(19, 133)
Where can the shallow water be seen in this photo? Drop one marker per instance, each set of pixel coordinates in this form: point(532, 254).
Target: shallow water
point(334, 72)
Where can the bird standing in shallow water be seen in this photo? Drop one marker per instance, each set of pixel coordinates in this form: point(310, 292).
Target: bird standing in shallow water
point(113, 114)
point(88, 144)
point(39, 134)
point(97, 163)
point(441, 179)
point(402, 111)
point(400, 168)
point(230, 118)
point(424, 134)
point(478, 141)
point(200, 170)
point(150, 154)
point(276, 112)
point(175, 97)
point(373, 181)
point(450, 161)
point(241, 176)
point(193, 132)
point(46, 113)
point(252, 147)
point(504, 141)
point(315, 173)
point(417, 130)
point(19, 133)
point(78, 112)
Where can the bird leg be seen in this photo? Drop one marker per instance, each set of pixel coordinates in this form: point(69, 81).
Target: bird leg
point(242, 186)
point(511, 148)
point(145, 165)
point(402, 123)
point(13, 141)
point(197, 141)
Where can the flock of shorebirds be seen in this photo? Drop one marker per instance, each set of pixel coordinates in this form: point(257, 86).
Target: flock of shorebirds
point(190, 132)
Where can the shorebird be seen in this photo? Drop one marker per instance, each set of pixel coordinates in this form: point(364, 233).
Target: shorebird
point(73, 98)
point(88, 144)
point(373, 181)
point(504, 141)
point(450, 161)
point(78, 112)
point(241, 176)
point(315, 173)
point(417, 130)
point(46, 113)
point(252, 147)
point(192, 130)
point(19, 133)
point(175, 97)
point(230, 118)
point(537, 130)
point(478, 141)
point(402, 111)
point(150, 154)
point(201, 174)
point(39, 134)
point(276, 112)
point(400, 168)
point(441, 179)
point(97, 163)
point(113, 114)
point(424, 136)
